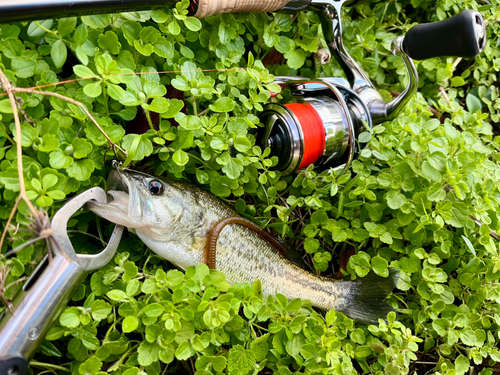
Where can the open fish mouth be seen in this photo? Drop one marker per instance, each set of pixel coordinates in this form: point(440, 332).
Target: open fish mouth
point(125, 202)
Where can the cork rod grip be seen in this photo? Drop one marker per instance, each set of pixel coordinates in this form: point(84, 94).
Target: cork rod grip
point(207, 8)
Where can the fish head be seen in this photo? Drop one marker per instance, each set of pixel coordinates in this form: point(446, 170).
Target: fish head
point(153, 206)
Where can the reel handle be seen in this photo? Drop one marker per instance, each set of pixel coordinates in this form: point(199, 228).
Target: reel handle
point(207, 8)
point(463, 35)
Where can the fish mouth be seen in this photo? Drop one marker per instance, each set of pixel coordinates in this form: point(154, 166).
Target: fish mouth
point(126, 205)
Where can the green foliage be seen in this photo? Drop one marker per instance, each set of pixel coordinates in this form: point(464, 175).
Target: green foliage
point(406, 203)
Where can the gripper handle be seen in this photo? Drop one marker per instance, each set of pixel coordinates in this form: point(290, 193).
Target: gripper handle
point(41, 300)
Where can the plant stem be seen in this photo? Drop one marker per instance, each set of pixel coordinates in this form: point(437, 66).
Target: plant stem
point(44, 28)
point(23, 246)
point(195, 107)
point(201, 161)
point(11, 216)
point(48, 365)
point(88, 234)
point(120, 361)
point(203, 112)
point(111, 330)
point(7, 136)
point(478, 222)
point(148, 117)
point(105, 96)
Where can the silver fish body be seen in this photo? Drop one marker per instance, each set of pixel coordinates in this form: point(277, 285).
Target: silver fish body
point(173, 219)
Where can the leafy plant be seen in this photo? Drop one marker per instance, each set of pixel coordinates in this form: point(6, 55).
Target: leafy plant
point(423, 196)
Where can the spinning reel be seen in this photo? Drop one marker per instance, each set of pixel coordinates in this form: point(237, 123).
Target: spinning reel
point(320, 125)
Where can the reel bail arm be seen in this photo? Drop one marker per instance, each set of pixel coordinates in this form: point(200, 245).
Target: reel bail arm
point(463, 35)
point(382, 111)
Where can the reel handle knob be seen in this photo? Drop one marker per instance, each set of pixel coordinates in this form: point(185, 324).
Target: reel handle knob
point(463, 35)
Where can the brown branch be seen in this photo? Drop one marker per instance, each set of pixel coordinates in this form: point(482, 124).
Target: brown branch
point(493, 234)
point(478, 222)
point(19, 103)
point(434, 111)
point(133, 73)
point(40, 223)
point(203, 112)
point(441, 88)
point(77, 103)
point(4, 272)
point(11, 216)
point(7, 87)
point(444, 94)
point(455, 64)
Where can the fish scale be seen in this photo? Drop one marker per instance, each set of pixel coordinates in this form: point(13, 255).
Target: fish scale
point(237, 259)
point(174, 222)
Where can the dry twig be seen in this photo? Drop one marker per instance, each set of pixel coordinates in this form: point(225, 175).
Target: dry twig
point(19, 103)
point(478, 222)
point(41, 231)
point(77, 103)
point(11, 216)
point(8, 88)
point(441, 88)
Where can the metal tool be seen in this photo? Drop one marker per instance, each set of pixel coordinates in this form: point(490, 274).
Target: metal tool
point(49, 289)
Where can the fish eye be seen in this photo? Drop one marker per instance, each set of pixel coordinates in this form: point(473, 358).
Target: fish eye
point(156, 187)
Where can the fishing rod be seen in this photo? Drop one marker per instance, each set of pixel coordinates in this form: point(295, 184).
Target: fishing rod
point(27, 10)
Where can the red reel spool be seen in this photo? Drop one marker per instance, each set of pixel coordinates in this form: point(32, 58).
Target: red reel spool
point(313, 132)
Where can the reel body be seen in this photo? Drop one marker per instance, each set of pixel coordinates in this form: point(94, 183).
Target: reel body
point(321, 122)
point(319, 125)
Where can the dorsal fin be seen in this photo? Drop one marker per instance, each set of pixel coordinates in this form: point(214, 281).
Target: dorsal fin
point(293, 255)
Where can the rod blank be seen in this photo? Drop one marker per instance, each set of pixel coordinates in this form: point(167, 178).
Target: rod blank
point(27, 10)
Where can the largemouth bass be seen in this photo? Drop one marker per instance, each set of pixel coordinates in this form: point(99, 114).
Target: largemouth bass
point(173, 219)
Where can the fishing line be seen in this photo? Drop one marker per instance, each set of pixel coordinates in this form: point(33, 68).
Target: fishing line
point(313, 132)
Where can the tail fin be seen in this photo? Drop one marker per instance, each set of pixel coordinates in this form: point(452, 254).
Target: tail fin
point(366, 298)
